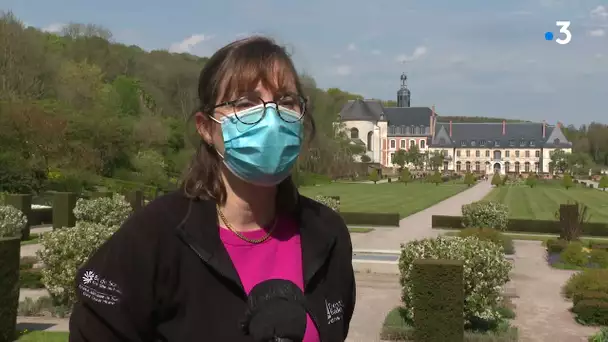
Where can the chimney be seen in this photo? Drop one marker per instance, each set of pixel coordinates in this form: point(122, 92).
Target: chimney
point(544, 129)
point(504, 127)
point(432, 128)
point(450, 128)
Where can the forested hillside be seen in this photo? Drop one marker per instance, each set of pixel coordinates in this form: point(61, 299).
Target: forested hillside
point(76, 107)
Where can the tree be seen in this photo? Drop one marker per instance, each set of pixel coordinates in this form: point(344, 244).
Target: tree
point(603, 182)
point(469, 179)
point(567, 181)
point(531, 180)
point(436, 178)
point(436, 160)
point(414, 157)
point(559, 161)
point(399, 158)
point(497, 180)
point(373, 176)
point(405, 176)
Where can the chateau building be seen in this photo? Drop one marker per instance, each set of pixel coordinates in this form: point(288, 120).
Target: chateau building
point(472, 146)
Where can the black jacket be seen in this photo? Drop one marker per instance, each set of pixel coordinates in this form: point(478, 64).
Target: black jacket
point(166, 276)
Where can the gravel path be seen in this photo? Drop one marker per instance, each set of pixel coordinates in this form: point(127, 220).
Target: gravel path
point(542, 312)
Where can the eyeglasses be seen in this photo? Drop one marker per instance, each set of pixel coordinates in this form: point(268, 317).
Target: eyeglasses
point(291, 108)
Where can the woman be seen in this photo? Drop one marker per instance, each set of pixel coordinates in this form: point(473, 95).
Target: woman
point(181, 268)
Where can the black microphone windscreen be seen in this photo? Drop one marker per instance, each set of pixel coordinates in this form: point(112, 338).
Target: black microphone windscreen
point(276, 309)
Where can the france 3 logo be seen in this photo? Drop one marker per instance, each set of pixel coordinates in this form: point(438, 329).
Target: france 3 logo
point(564, 30)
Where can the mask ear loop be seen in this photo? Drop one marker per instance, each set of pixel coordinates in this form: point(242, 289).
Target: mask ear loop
point(211, 144)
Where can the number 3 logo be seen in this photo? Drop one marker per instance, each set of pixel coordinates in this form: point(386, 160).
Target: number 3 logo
point(563, 28)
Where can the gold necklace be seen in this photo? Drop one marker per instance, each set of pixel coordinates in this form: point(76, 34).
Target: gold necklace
point(243, 237)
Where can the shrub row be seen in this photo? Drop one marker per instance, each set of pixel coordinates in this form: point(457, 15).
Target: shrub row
point(524, 225)
point(589, 293)
point(372, 219)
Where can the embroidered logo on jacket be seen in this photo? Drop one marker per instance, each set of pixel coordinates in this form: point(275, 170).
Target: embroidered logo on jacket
point(99, 290)
point(335, 311)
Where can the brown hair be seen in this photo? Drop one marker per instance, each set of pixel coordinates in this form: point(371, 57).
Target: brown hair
point(234, 69)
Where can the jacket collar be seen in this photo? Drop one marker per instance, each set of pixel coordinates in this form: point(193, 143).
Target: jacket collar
point(200, 231)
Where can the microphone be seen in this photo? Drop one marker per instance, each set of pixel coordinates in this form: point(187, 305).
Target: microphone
point(275, 312)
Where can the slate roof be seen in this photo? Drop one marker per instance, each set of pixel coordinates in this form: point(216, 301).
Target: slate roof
point(408, 116)
point(517, 135)
point(396, 116)
point(361, 110)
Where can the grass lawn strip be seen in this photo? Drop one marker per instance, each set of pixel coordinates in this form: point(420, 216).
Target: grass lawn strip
point(386, 197)
point(536, 237)
point(44, 336)
point(360, 230)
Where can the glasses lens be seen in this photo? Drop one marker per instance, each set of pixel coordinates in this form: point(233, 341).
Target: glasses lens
point(244, 112)
point(291, 108)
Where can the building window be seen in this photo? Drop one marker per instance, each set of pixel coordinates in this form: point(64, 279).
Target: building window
point(457, 153)
point(473, 143)
point(507, 167)
point(398, 131)
point(412, 143)
point(496, 143)
point(402, 143)
point(444, 152)
point(477, 166)
point(537, 166)
point(527, 167)
point(522, 143)
point(468, 166)
point(527, 154)
point(482, 143)
point(417, 130)
point(516, 154)
point(463, 143)
point(487, 153)
point(393, 143)
point(370, 135)
point(442, 141)
point(427, 130)
point(445, 166)
point(477, 153)
point(422, 144)
point(537, 154)
point(532, 143)
point(354, 133)
point(468, 153)
point(392, 156)
point(556, 141)
point(516, 167)
point(507, 154)
point(511, 143)
point(458, 166)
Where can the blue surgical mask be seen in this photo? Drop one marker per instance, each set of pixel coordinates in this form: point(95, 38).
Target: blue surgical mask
point(263, 153)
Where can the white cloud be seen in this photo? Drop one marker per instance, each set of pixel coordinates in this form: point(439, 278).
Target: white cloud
point(54, 28)
point(352, 47)
point(343, 70)
point(418, 53)
point(597, 33)
point(600, 12)
point(376, 52)
point(189, 43)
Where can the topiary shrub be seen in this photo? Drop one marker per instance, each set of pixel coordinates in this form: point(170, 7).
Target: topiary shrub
point(588, 280)
point(485, 214)
point(490, 234)
point(574, 255)
point(104, 210)
point(595, 295)
point(591, 311)
point(12, 221)
point(598, 258)
point(438, 313)
point(63, 209)
point(64, 251)
point(485, 272)
point(329, 201)
point(556, 245)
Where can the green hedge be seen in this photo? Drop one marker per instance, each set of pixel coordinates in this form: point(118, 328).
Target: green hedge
point(23, 202)
point(372, 219)
point(9, 287)
point(63, 209)
point(41, 216)
point(524, 226)
point(135, 199)
point(438, 291)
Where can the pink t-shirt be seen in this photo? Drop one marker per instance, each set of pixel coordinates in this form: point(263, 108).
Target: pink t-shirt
point(279, 257)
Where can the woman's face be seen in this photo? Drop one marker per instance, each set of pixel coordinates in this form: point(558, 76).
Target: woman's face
point(211, 131)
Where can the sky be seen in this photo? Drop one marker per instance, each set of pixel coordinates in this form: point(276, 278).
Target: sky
point(466, 57)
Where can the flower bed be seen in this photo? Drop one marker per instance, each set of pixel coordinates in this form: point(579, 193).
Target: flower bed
point(576, 255)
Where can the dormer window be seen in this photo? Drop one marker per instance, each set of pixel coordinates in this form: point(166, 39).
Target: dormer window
point(473, 143)
point(532, 143)
point(442, 141)
point(511, 143)
point(522, 143)
point(463, 143)
point(556, 141)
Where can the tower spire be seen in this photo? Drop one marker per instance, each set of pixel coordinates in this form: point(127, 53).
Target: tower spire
point(403, 95)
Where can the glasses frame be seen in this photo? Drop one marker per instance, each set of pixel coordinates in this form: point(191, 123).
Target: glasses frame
point(303, 102)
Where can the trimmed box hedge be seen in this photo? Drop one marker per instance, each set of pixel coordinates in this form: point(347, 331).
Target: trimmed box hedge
point(438, 292)
point(63, 209)
point(42, 216)
point(135, 199)
point(371, 219)
point(524, 226)
point(9, 286)
point(23, 202)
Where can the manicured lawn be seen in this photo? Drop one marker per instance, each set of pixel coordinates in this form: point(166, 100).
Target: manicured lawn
point(44, 336)
point(386, 197)
point(537, 237)
point(541, 202)
point(360, 230)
